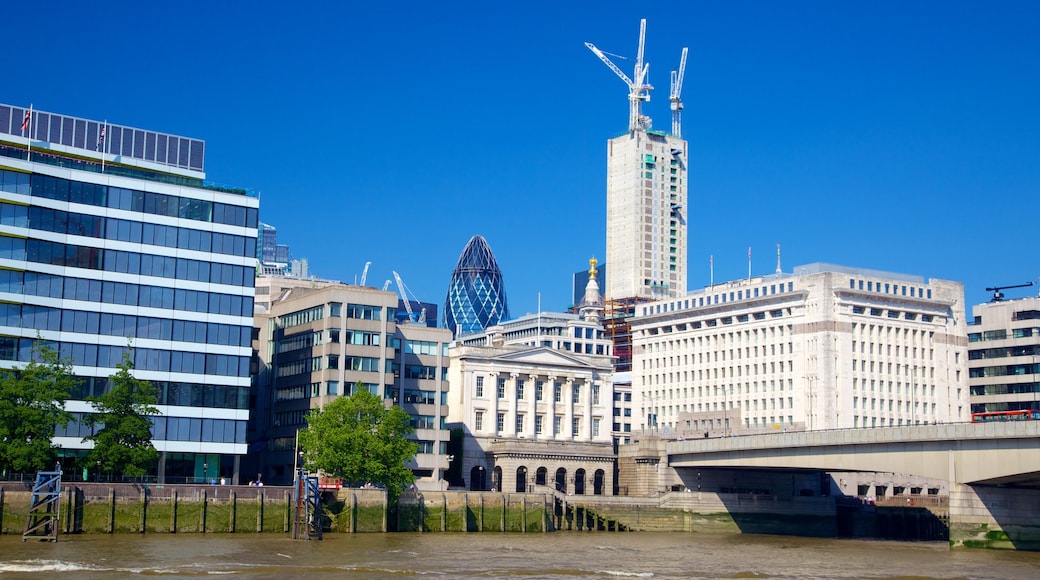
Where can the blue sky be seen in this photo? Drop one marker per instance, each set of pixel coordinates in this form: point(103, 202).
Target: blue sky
point(898, 136)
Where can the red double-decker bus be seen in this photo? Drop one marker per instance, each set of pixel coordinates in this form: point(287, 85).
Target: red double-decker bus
point(1001, 416)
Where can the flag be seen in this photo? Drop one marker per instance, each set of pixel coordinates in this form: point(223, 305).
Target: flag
point(25, 122)
point(101, 139)
point(749, 252)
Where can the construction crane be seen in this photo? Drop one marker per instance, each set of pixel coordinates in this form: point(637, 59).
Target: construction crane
point(998, 295)
point(386, 285)
point(364, 273)
point(673, 95)
point(638, 87)
point(404, 298)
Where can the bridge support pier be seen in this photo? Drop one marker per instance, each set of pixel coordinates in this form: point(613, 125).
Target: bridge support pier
point(985, 516)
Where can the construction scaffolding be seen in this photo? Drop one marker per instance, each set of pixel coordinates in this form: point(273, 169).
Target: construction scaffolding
point(616, 315)
point(307, 517)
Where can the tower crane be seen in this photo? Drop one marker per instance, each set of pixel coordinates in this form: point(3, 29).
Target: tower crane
point(402, 289)
point(638, 87)
point(673, 95)
point(386, 285)
point(364, 273)
point(998, 295)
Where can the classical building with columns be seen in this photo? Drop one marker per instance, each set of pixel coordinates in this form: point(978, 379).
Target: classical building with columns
point(534, 400)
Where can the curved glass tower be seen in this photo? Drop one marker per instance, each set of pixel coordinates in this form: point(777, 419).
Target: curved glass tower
point(476, 294)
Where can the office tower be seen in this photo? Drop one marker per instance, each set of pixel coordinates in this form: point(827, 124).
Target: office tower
point(827, 347)
point(476, 293)
point(317, 340)
point(111, 234)
point(1004, 358)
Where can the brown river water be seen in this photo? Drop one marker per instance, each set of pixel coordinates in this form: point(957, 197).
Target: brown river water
point(561, 555)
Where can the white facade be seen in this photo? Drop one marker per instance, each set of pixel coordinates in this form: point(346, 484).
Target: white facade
point(1004, 355)
point(828, 347)
point(647, 216)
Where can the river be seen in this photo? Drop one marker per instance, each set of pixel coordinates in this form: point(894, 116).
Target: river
point(561, 555)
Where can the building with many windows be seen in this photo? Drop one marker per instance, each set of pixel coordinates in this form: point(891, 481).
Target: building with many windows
point(317, 340)
point(1004, 356)
point(476, 293)
point(826, 347)
point(111, 234)
point(533, 398)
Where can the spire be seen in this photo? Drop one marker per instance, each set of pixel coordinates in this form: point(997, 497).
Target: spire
point(778, 270)
point(592, 305)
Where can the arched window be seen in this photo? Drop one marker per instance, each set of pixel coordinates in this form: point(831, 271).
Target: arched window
point(478, 478)
point(597, 482)
point(579, 482)
point(496, 479)
point(521, 479)
point(541, 476)
point(561, 480)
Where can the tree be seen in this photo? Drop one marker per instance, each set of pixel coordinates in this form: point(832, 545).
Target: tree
point(360, 440)
point(32, 405)
point(123, 444)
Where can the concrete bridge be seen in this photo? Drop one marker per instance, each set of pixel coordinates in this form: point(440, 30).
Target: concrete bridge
point(993, 468)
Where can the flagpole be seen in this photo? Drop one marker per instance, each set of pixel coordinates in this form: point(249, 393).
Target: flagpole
point(711, 267)
point(749, 263)
point(104, 133)
point(28, 142)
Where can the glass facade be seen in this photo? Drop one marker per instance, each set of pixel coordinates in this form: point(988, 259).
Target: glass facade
point(476, 293)
point(94, 256)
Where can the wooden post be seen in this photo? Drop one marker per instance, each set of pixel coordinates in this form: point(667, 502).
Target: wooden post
point(112, 510)
point(173, 512)
point(444, 514)
point(352, 524)
point(288, 511)
point(523, 513)
point(234, 508)
point(144, 510)
point(480, 515)
point(259, 512)
point(386, 508)
point(1, 510)
point(202, 516)
point(505, 509)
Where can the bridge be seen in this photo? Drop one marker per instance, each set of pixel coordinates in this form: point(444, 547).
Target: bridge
point(993, 468)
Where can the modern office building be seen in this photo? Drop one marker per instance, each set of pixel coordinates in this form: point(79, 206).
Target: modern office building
point(533, 397)
point(646, 215)
point(476, 293)
point(317, 340)
point(1004, 356)
point(826, 347)
point(111, 234)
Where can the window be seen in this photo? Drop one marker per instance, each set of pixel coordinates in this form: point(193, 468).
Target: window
point(335, 308)
point(519, 422)
point(577, 393)
point(538, 424)
point(557, 423)
point(480, 387)
point(575, 426)
point(332, 388)
point(595, 394)
point(595, 427)
point(478, 421)
point(538, 387)
point(557, 393)
point(519, 389)
point(501, 388)
point(501, 426)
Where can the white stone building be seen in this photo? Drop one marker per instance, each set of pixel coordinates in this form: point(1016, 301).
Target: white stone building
point(826, 347)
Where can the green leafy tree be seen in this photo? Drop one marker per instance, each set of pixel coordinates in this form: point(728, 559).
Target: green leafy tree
point(123, 444)
point(32, 406)
point(359, 439)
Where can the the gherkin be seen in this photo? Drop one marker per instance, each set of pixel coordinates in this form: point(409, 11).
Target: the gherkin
point(476, 294)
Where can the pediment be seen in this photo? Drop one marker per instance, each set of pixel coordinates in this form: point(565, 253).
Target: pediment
point(543, 356)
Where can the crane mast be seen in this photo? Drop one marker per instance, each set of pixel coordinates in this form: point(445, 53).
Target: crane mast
point(677, 106)
point(638, 87)
point(404, 297)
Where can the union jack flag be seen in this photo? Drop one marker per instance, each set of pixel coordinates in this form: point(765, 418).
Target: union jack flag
point(101, 139)
point(25, 121)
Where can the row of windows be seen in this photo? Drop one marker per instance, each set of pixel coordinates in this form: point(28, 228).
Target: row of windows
point(125, 325)
point(297, 367)
point(74, 256)
point(425, 347)
point(1002, 334)
point(173, 393)
point(299, 341)
point(986, 353)
point(54, 286)
point(423, 372)
point(1006, 389)
point(171, 429)
point(895, 314)
point(720, 298)
point(78, 224)
point(144, 359)
point(896, 289)
point(1004, 370)
point(302, 316)
point(147, 202)
point(539, 421)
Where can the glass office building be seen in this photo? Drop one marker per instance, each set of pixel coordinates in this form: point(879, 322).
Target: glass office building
point(476, 293)
point(109, 236)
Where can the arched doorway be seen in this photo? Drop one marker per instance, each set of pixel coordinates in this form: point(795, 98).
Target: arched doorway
point(561, 480)
point(496, 479)
point(597, 482)
point(541, 476)
point(579, 482)
point(521, 479)
point(478, 478)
